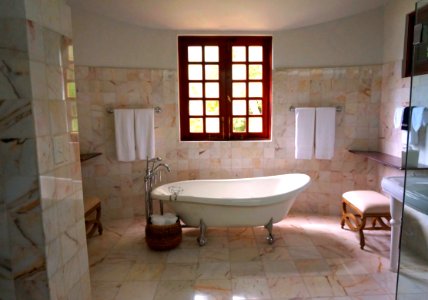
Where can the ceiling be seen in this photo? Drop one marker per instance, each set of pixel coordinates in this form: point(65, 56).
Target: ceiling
point(237, 15)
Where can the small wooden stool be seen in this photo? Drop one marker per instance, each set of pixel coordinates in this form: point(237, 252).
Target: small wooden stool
point(365, 204)
point(92, 204)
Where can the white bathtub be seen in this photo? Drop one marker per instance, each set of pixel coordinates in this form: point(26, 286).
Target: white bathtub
point(233, 202)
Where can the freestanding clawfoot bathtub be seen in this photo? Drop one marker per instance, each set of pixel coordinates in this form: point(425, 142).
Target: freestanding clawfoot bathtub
point(233, 202)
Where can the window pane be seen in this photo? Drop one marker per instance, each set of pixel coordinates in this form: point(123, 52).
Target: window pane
point(212, 125)
point(196, 108)
point(71, 90)
point(239, 107)
point(239, 125)
point(256, 71)
point(194, 53)
point(255, 107)
point(255, 89)
point(212, 107)
point(196, 125)
point(239, 89)
point(211, 53)
point(239, 72)
point(255, 53)
point(211, 89)
point(255, 124)
point(238, 53)
point(195, 90)
point(195, 72)
point(211, 72)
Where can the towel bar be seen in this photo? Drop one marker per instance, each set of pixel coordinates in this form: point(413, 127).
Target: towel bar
point(338, 108)
point(110, 110)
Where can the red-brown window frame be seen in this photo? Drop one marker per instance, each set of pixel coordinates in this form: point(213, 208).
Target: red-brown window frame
point(225, 44)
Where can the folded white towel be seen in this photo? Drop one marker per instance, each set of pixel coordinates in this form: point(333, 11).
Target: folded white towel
point(398, 117)
point(125, 134)
point(145, 133)
point(325, 131)
point(417, 117)
point(304, 136)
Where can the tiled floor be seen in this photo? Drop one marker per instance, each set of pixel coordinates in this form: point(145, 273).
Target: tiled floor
point(312, 257)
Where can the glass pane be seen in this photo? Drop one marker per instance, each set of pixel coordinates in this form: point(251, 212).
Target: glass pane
point(211, 72)
point(239, 125)
point(71, 90)
point(212, 125)
point(255, 124)
point(256, 71)
point(238, 53)
point(255, 53)
point(255, 107)
point(212, 107)
point(239, 107)
point(239, 72)
point(239, 89)
point(195, 90)
point(70, 53)
point(211, 90)
point(211, 53)
point(194, 53)
point(195, 72)
point(196, 125)
point(255, 89)
point(196, 108)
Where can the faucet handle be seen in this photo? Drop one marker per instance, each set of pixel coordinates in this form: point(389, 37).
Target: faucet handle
point(155, 159)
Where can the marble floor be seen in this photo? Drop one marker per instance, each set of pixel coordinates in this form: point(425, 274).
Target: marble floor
point(312, 258)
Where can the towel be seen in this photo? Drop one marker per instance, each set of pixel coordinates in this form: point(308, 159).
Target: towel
point(304, 138)
point(417, 117)
point(398, 116)
point(144, 133)
point(325, 131)
point(405, 120)
point(125, 134)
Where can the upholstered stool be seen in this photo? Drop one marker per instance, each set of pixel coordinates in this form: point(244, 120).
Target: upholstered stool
point(363, 205)
point(92, 205)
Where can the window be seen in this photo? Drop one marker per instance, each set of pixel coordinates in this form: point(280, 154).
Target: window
point(225, 87)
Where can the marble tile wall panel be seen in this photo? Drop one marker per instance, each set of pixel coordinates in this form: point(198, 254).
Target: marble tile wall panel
point(120, 185)
point(40, 168)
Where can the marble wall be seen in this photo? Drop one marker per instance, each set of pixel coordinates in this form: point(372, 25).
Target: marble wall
point(43, 252)
point(120, 184)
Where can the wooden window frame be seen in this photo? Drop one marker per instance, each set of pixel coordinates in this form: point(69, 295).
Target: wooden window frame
point(225, 44)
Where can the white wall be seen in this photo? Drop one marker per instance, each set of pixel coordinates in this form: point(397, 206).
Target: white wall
point(394, 27)
point(357, 40)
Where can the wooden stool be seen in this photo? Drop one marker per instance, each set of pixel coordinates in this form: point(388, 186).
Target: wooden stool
point(92, 205)
point(365, 204)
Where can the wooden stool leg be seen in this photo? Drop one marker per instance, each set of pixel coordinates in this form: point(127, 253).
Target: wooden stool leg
point(361, 227)
point(98, 221)
point(342, 221)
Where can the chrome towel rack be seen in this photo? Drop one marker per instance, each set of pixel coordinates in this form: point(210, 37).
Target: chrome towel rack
point(110, 110)
point(338, 108)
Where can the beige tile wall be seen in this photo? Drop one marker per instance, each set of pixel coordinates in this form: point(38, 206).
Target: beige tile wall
point(120, 185)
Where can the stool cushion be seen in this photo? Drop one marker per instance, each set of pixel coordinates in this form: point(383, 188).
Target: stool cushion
point(90, 202)
point(368, 201)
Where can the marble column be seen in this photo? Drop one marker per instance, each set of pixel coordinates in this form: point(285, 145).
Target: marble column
point(43, 252)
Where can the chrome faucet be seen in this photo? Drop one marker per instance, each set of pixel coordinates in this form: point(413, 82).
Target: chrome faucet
point(153, 170)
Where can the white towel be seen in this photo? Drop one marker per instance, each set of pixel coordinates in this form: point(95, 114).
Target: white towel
point(304, 136)
point(145, 133)
point(398, 117)
point(125, 134)
point(417, 117)
point(325, 131)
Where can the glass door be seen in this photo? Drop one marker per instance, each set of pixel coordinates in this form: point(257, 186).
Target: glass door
point(412, 281)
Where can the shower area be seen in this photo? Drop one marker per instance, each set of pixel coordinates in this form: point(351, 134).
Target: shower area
point(412, 262)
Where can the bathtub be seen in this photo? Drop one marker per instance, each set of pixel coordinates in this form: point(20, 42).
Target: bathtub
point(233, 202)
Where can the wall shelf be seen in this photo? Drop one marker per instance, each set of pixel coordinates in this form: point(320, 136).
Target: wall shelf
point(387, 160)
point(86, 156)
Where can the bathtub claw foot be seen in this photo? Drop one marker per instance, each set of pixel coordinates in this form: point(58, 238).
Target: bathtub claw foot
point(202, 240)
point(269, 226)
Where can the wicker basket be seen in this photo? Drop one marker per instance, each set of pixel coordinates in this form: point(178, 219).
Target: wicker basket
point(163, 237)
